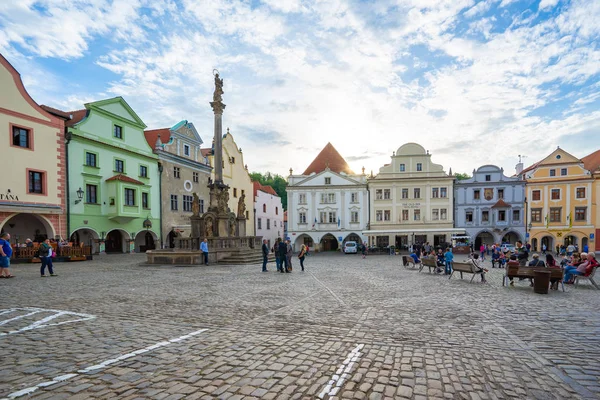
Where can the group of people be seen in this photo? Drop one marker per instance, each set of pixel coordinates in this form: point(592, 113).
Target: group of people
point(283, 255)
point(45, 253)
point(446, 259)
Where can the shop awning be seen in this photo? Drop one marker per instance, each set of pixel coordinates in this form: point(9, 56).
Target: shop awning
point(415, 231)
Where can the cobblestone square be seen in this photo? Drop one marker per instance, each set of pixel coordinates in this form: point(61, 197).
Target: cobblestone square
point(347, 327)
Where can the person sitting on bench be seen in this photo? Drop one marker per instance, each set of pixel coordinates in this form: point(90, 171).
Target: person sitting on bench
point(496, 258)
point(551, 263)
point(578, 266)
point(474, 260)
point(415, 258)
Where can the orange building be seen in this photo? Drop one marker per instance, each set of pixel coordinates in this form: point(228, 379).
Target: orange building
point(560, 202)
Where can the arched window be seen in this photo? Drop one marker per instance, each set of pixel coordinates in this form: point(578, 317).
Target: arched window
point(264, 208)
point(276, 210)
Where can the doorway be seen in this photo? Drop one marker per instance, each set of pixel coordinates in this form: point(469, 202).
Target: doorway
point(114, 242)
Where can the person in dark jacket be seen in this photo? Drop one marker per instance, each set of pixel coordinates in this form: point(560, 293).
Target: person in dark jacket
point(282, 249)
point(288, 256)
point(265, 251)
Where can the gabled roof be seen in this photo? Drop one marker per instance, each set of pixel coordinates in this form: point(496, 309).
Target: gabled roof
point(328, 158)
point(72, 117)
point(124, 178)
point(591, 162)
point(501, 204)
point(152, 135)
point(263, 188)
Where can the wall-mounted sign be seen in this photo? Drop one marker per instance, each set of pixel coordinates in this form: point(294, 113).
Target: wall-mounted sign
point(9, 196)
point(411, 205)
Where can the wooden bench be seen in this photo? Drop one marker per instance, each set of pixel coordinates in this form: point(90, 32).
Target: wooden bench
point(428, 262)
point(514, 271)
point(466, 268)
point(590, 277)
point(407, 261)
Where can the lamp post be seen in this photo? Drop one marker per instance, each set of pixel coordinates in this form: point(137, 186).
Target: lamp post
point(102, 249)
point(529, 235)
point(132, 242)
point(79, 195)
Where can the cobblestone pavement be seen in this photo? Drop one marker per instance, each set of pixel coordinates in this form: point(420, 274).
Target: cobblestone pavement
point(345, 328)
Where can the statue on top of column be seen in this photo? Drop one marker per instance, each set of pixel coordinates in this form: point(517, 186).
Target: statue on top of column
point(195, 205)
point(217, 96)
point(242, 206)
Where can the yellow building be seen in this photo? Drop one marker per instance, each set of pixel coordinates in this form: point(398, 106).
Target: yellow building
point(33, 192)
point(559, 200)
point(592, 163)
point(236, 176)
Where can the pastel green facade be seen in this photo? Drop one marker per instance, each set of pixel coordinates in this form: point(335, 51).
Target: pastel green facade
point(123, 200)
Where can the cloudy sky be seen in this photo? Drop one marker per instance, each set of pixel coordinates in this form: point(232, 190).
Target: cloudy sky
point(475, 82)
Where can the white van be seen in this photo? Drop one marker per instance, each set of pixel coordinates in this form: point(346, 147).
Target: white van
point(350, 247)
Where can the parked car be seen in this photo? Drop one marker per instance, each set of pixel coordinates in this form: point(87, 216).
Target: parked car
point(504, 247)
point(350, 247)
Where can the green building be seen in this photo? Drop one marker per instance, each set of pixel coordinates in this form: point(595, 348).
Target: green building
point(114, 182)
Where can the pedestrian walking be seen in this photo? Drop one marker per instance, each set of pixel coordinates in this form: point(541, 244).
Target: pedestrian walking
point(204, 250)
point(5, 255)
point(449, 257)
point(301, 256)
point(544, 248)
point(282, 250)
point(364, 251)
point(288, 256)
point(482, 251)
point(46, 252)
point(265, 251)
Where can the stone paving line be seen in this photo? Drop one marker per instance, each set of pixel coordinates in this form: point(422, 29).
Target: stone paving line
point(287, 335)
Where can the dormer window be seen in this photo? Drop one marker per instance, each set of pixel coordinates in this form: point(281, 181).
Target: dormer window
point(328, 181)
point(186, 150)
point(419, 167)
point(118, 132)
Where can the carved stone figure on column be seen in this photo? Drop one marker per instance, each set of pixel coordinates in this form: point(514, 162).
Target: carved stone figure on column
point(209, 227)
point(217, 95)
point(242, 206)
point(231, 226)
point(195, 206)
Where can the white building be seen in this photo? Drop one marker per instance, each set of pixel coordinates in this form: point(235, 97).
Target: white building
point(328, 204)
point(268, 213)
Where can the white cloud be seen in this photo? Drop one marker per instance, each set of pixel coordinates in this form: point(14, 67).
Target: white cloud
point(544, 4)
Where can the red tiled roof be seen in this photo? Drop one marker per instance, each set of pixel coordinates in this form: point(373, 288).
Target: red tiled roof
point(532, 166)
point(206, 152)
point(263, 188)
point(72, 117)
point(152, 134)
point(328, 157)
point(124, 178)
point(501, 204)
point(56, 111)
point(591, 162)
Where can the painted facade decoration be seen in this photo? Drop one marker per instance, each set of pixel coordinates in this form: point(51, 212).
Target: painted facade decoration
point(559, 194)
point(115, 170)
point(490, 207)
point(185, 171)
point(268, 212)
point(33, 187)
point(411, 201)
point(327, 204)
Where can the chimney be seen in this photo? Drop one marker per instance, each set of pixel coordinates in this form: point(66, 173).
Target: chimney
point(519, 166)
point(158, 145)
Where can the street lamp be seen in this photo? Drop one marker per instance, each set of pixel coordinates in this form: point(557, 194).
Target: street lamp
point(79, 195)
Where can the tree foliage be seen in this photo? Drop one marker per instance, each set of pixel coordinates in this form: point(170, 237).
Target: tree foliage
point(277, 182)
point(461, 176)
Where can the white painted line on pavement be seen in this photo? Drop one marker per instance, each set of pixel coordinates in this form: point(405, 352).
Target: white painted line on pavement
point(103, 364)
point(329, 290)
point(43, 322)
point(6, 321)
point(343, 372)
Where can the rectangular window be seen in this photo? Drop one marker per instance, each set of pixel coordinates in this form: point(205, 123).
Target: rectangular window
point(419, 167)
point(386, 194)
point(186, 150)
point(330, 198)
point(555, 194)
point(187, 203)
point(259, 223)
point(485, 216)
point(21, 137)
point(130, 197)
point(417, 215)
point(90, 159)
point(563, 171)
point(302, 218)
point(379, 215)
point(516, 215)
point(536, 215)
point(378, 194)
point(90, 194)
point(501, 215)
point(328, 181)
point(302, 198)
point(404, 215)
point(552, 172)
point(36, 182)
point(580, 213)
point(443, 214)
point(417, 193)
point(435, 193)
point(469, 216)
point(354, 217)
point(143, 171)
point(443, 192)
point(322, 217)
point(354, 197)
point(176, 172)
point(387, 215)
point(145, 203)
point(476, 194)
point(555, 214)
point(488, 178)
point(174, 206)
point(119, 166)
point(536, 195)
point(332, 217)
point(268, 223)
point(195, 177)
point(435, 214)
point(580, 193)
point(201, 206)
point(405, 193)
point(500, 193)
point(118, 132)
point(402, 167)
point(234, 192)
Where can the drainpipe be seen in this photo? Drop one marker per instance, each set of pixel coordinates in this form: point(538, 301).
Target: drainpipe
point(160, 170)
point(67, 182)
